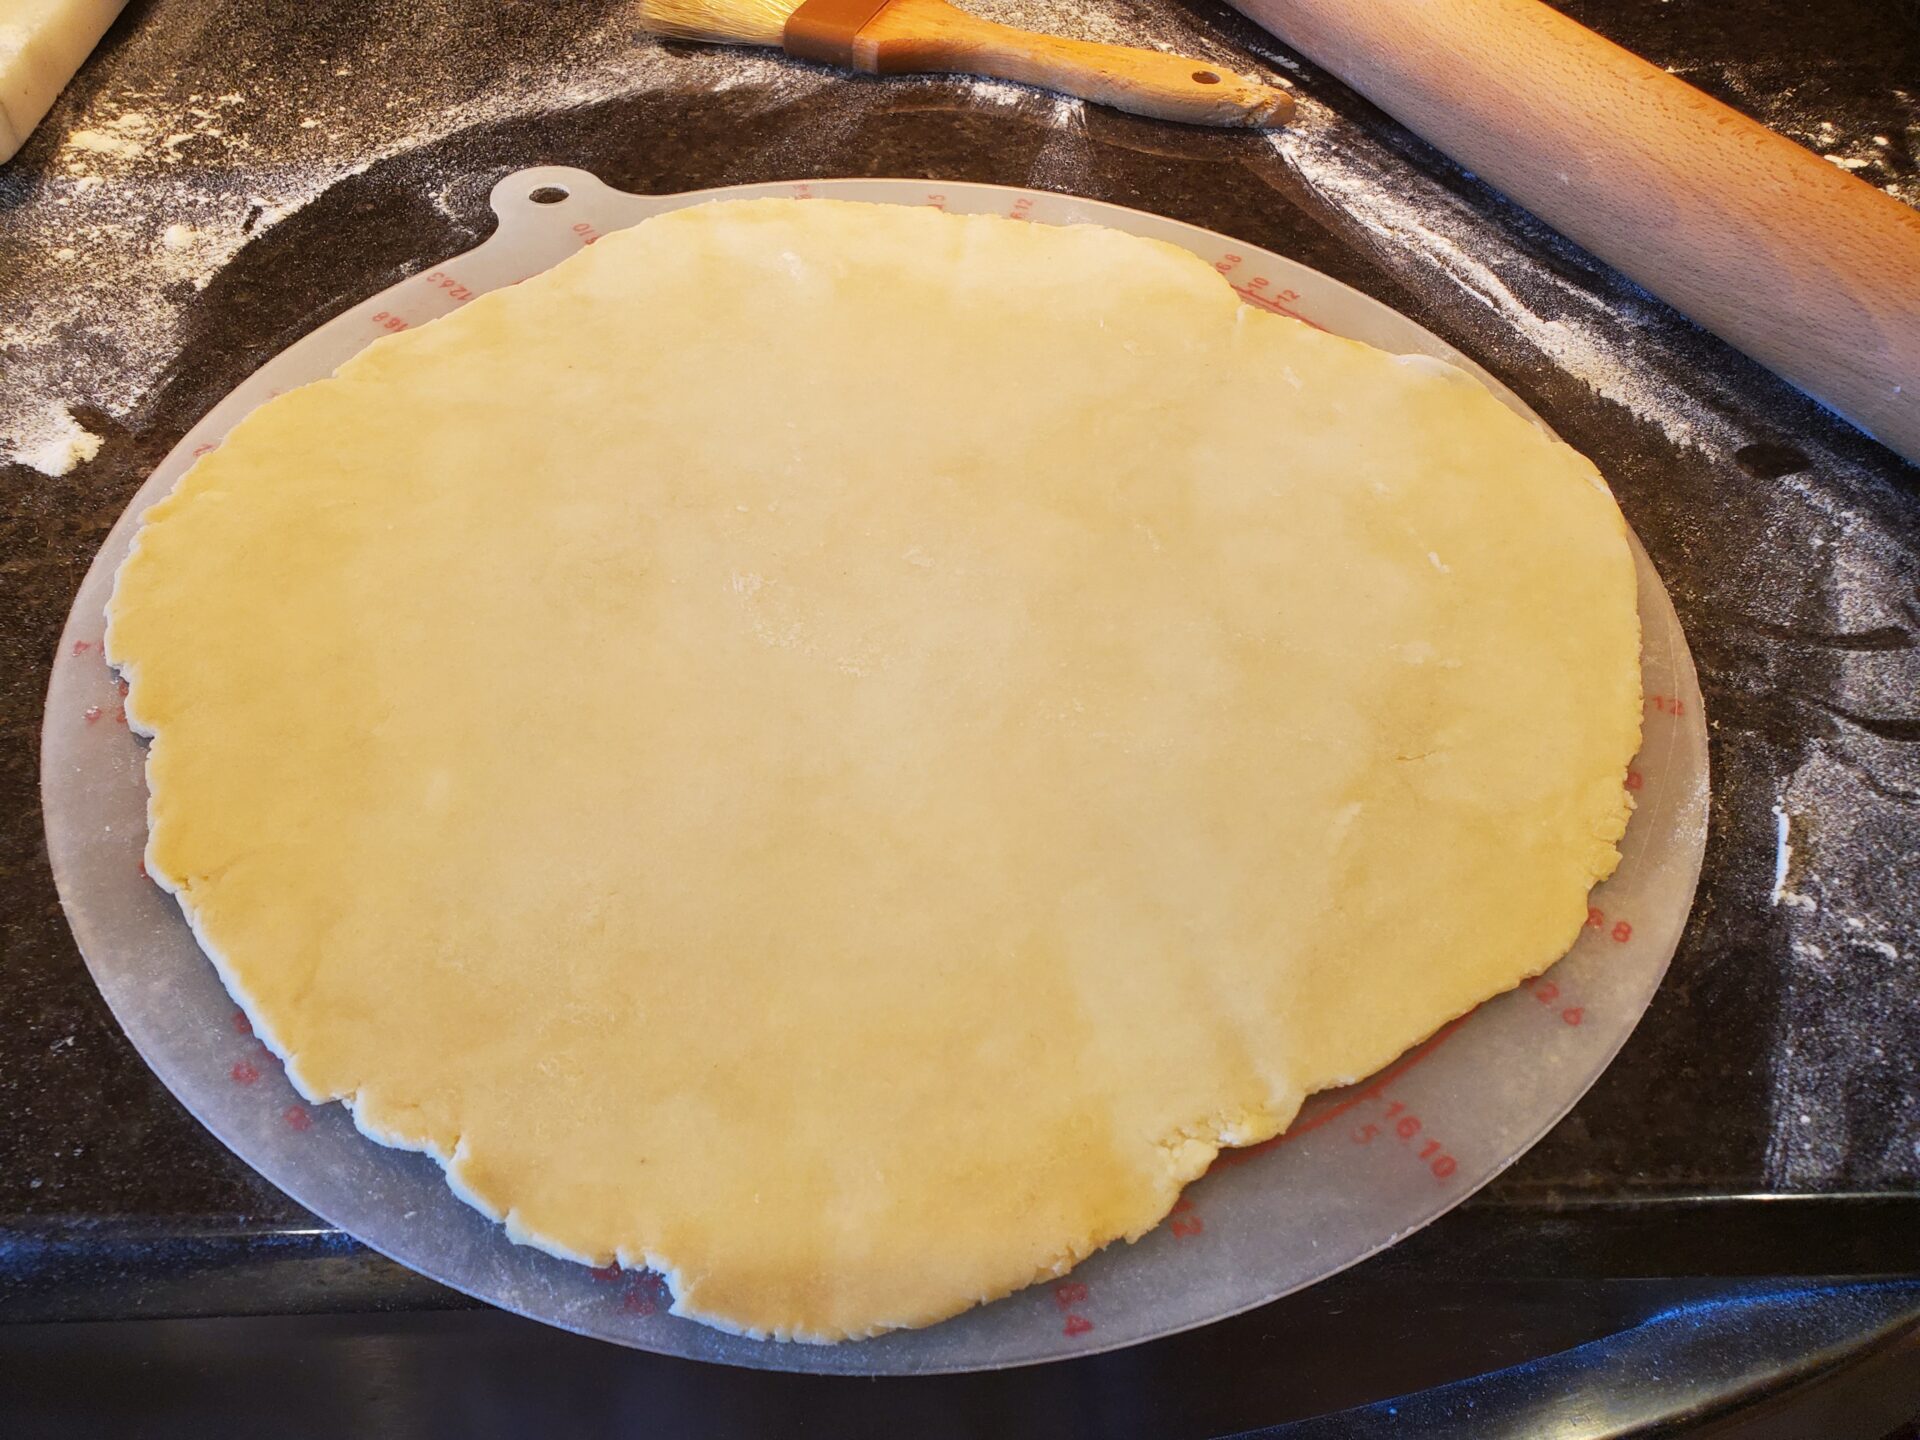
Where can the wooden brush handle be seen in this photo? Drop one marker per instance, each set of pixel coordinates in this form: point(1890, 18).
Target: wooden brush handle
point(930, 36)
point(1810, 271)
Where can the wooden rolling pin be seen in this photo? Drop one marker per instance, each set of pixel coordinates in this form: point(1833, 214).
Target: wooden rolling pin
point(1813, 273)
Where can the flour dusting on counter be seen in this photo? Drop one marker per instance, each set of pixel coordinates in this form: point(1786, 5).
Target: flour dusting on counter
point(1847, 1036)
point(1420, 227)
point(150, 191)
point(53, 442)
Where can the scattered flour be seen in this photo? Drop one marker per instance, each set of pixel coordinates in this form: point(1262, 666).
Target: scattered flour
point(125, 137)
point(1873, 159)
point(153, 185)
point(1846, 1052)
point(53, 442)
point(1423, 230)
point(1846, 1046)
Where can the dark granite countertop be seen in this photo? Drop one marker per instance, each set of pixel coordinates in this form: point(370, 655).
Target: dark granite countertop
point(222, 177)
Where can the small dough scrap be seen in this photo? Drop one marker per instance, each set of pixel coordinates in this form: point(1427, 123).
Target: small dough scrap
point(841, 752)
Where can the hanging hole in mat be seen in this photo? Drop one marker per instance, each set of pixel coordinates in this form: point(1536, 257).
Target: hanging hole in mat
point(548, 195)
point(1206, 77)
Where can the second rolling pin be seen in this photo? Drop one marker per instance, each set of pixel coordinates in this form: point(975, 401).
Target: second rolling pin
point(1812, 272)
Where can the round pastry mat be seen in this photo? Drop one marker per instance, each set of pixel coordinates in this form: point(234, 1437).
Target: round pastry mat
point(1360, 1169)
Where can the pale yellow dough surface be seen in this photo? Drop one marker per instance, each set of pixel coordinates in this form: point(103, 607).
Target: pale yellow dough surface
point(841, 751)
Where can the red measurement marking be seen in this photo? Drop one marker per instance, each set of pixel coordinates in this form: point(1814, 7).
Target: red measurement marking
point(1261, 301)
point(585, 231)
point(803, 191)
point(440, 280)
point(298, 1118)
point(200, 450)
point(80, 647)
point(92, 714)
point(1022, 208)
point(1621, 932)
point(387, 320)
point(1262, 287)
point(1406, 1127)
point(241, 1025)
point(1226, 264)
point(1635, 780)
point(244, 1073)
point(937, 200)
point(1076, 1325)
point(1070, 1294)
point(1228, 1159)
point(1187, 1226)
point(119, 714)
point(1375, 1090)
point(1667, 704)
point(1546, 992)
point(122, 688)
point(645, 1294)
point(142, 863)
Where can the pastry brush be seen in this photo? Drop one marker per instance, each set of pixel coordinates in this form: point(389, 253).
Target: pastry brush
point(893, 37)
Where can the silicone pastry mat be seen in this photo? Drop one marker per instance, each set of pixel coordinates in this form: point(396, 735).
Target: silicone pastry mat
point(1360, 1168)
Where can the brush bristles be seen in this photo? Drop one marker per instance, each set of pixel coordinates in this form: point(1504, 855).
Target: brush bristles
point(731, 22)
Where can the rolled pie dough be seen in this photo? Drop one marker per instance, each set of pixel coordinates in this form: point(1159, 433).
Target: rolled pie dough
point(841, 752)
